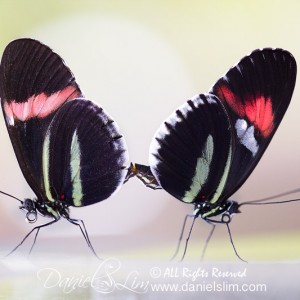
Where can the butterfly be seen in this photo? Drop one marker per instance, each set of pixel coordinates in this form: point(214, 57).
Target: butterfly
point(204, 152)
point(70, 150)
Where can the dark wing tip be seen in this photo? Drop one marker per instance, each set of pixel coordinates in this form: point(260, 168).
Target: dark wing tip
point(22, 41)
point(278, 54)
point(28, 67)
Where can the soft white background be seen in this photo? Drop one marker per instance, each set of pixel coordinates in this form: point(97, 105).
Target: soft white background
point(140, 61)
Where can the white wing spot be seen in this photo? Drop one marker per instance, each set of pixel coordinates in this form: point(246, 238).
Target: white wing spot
point(246, 135)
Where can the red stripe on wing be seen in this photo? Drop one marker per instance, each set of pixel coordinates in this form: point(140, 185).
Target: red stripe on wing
point(257, 110)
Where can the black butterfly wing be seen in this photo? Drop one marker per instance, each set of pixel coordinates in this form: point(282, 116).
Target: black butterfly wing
point(85, 159)
point(34, 83)
point(256, 93)
point(190, 155)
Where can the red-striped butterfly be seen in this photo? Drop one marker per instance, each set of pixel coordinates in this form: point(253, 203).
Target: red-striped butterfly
point(70, 150)
point(209, 146)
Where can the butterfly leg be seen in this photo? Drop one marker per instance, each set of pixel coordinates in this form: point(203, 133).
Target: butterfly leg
point(37, 228)
point(188, 238)
point(130, 172)
point(208, 239)
point(144, 174)
point(181, 235)
point(35, 237)
point(231, 241)
point(226, 220)
point(83, 230)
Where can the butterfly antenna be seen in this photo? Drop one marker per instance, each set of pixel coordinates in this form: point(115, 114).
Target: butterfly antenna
point(11, 196)
point(231, 241)
point(263, 200)
point(266, 203)
point(188, 238)
point(181, 236)
point(208, 239)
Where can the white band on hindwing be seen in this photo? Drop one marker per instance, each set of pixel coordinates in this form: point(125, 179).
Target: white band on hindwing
point(223, 180)
point(201, 172)
point(45, 166)
point(75, 171)
point(77, 194)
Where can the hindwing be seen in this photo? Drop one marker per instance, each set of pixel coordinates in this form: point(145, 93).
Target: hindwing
point(190, 155)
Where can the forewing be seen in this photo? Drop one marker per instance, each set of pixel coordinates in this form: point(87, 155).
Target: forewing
point(34, 83)
point(190, 154)
point(85, 158)
point(256, 94)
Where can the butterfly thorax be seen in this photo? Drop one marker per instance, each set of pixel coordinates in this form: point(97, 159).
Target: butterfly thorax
point(46, 208)
point(225, 210)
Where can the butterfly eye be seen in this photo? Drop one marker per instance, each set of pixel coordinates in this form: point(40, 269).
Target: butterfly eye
point(31, 216)
point(226, 218)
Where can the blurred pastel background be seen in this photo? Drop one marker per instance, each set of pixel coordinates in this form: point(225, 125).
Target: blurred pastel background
point(140, 60)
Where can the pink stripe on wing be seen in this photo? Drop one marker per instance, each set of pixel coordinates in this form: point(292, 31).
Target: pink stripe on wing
point(56, 100)
point(39, 105)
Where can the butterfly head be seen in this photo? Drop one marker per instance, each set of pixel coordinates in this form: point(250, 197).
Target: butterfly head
point(28, 205)
point(229, 209)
